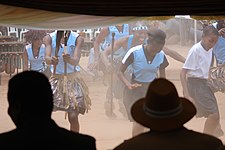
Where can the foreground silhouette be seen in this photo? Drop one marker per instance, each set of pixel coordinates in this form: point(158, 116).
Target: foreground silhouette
point(165, 113)
point(30, 107)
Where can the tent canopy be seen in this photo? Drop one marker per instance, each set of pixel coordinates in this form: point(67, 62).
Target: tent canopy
point(126, 7)
point(67, 14)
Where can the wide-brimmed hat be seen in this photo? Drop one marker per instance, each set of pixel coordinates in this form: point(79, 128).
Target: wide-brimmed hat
point(162, 109)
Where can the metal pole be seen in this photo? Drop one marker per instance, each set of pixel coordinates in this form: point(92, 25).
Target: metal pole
point(112, 73)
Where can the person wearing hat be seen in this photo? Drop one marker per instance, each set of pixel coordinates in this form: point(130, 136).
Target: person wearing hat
point(165, 113)
point(145, 61)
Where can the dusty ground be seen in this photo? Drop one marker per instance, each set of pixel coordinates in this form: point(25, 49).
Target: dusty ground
point(109, 133)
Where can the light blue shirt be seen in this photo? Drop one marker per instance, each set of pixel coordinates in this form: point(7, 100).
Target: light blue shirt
point(71, 44)
point(143, 70)
point(219, 50)
point(38, 63)
point(118, 34)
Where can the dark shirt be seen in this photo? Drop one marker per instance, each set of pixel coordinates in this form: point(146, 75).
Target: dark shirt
point(179, 139)
point(45, 134)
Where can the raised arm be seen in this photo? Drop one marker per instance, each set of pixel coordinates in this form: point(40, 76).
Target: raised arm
point(75, 59)
point(47, 41)
point(77, 52)
point(173, 54)
point(162, 73)
point(100, 38)
point(25, 60)
point(122, 42)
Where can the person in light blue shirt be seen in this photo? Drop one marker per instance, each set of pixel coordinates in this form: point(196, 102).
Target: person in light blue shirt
point(103, 40)
point(34, 53)
point(71, 94)
point(95, 64)
point(219, 48)
point(146, 61)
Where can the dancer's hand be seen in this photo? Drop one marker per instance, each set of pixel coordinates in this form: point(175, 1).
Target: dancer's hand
point(66, 57)
point(222, 32)
point(133, 86)
point(93, 65)
point(54, 60)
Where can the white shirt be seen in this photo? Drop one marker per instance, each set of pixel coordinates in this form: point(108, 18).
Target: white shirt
point(198, 62)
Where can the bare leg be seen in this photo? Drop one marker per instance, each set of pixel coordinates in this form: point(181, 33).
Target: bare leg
point(137, 129)
point(74, 122)
point(122, 108)
point(211, 123)
point(218, 132)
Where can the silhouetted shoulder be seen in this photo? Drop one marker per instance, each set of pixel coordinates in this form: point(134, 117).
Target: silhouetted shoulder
point(46, 136)
point(80, 140)
point(176, 139)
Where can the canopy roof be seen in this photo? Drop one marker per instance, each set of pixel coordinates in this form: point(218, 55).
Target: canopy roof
point(67, 14)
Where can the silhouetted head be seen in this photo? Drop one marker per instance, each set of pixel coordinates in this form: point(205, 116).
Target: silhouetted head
point(29, 96)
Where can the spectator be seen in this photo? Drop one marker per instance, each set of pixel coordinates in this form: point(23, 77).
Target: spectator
point(30, 101)
point(165, 113)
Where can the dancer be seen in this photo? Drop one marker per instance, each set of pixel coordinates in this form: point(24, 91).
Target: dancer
point(103, 40)
point(145, 60)
point(63, 52)
point(34, 53)
point(194, 75)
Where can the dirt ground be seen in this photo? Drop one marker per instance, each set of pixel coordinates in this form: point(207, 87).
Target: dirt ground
point(109, 132)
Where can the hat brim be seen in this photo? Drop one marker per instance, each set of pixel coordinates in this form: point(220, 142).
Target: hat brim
point(163, 124)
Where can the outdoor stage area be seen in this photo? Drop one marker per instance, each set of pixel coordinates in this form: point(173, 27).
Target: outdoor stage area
point(110, 132)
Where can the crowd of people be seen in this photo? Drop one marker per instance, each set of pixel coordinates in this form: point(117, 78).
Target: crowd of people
point(135, 57)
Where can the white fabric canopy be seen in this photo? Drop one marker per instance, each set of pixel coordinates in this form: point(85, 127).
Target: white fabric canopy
point(39, 19)
point(22, 17)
